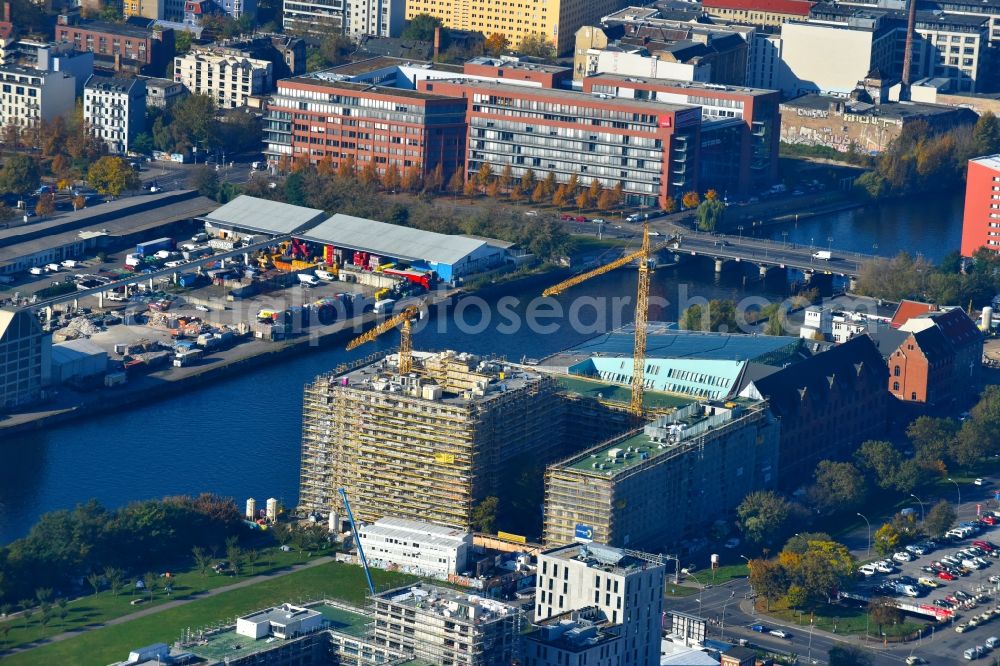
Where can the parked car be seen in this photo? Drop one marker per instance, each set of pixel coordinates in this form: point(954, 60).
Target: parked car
point(884, 566)
point(980, 482)
point(867, 570)
point(902, 557)
point(944, 575)
point(758, 627)
point(780, 634)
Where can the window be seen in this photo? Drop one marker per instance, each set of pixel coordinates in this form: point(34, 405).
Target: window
point(895, 371)
point(895, 386)
point(913, 395)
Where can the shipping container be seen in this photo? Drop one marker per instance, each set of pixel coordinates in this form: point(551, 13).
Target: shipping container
point(153, 246)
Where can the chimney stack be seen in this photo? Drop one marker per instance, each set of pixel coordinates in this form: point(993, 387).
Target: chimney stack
point(911, 23)
point(437, 42)
point(6, 12)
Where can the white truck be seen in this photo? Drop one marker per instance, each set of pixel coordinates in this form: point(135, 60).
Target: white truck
point(825, 255)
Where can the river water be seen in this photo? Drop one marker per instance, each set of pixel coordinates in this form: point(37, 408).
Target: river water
point(240, 436)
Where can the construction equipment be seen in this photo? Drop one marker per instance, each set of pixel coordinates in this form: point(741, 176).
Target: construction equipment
point(405, 342)
point(357, 540)
point(643, 255)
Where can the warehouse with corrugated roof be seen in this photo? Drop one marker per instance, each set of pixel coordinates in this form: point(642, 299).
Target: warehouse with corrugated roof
point(366, 242)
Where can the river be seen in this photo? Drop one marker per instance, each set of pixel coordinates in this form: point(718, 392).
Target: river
point(240, 436)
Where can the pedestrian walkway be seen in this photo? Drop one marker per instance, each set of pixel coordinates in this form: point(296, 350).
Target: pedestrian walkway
point(152, 610)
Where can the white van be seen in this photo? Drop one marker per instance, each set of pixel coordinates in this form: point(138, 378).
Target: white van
point(384, 306)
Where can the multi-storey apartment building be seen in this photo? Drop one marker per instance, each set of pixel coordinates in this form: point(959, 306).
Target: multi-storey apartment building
point(162, 93)
point(648, 147)
point(439, 625)
point(228, 78)
point(315, 118)
point(981, 220)
point(556, 20)
point(384, 18)
point(758, 12)
point(148, 50)
point(619, 491)
point(314, 16)
point(115, 110)
point(622, 588)
point(736, 122)
point(29, 96)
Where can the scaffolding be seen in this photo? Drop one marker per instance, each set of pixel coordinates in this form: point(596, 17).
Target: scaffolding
point(424, 445)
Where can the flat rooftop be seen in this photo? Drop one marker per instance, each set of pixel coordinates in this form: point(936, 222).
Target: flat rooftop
point(681, 85)
point(364, 87)
point(991, 161)
point(601, 390)
point(521, 65)
point(429, 533)
point(256, 215)
point(598, 556)
point(625, 453)
point(382, 377)
point(568, 96)
point(898, 110)
point(446, 602)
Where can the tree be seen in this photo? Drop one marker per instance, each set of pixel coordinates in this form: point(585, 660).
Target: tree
point(768, 579)
point(115, 578)
point(19, 174)
point(886, 464)
point(493, 189)
point(412, 179)
point(837, 486)
point(336, 48)
point(469, 189)
point(421, 28)
point(94, 580)
point(369, 173)
point(537, 45)
point(594, 190)
point(142, 143)
point(718, 315)
point(235, 555)
point(205, 179)
point(940, 518)
point(484, 514)
point(884, 611)
point(348, 168)
point(848, 656)
point(149, 582)
point(582, 200)
point(710, 213)
point(824, 568)
point(496, 44)
point(59, 165)
point(690, 199)
point(202, 560)
point(796, 596)
point(112, 176)
point(252, 557)
point(435, 179)
point(538, 195)
point(549, 183)
point(506, 178)
point(886, 540)
point(607, 200)
point(986, 134)
point(46, 205)
point(711, 195)
point(456, 182)
point(182, 41)
point(483, 175)
point(393, 180)
point(763, 516)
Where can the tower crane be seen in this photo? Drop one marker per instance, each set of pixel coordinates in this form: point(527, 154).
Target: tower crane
point(405, 340)
point(641, 307)
point(357, 540)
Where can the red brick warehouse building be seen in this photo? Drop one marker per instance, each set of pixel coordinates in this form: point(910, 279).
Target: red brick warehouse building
point(317, 119)
point(981, 221)
point(648, 147)
point(124, 47)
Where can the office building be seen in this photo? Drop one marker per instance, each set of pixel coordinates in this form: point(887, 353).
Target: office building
point(318, 119)
point(115, 110)
point(428, 446)
point(25, 358)
point(648, 147)
point(695, 464)
point(623, 589)
point(383, 18)
point(29, 96)
point(229, 79)
point(443, 626)
point(826, 405)
point(286, 53)
point(162, 93)
point(314, 16)
point(576, 638)
point(418, 547)
point(735, 121)
point(56, 57)
point(151, 9)
point(981, 218)
point(556, 20)
point(120, 47)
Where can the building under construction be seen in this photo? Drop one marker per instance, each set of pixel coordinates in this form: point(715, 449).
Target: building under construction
point(426, 445)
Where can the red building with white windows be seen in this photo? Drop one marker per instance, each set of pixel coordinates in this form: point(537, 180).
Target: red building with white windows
point(981, 222)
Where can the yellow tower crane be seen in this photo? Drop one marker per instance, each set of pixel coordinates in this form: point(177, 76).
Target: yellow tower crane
point(405, 341)
point(643, 255)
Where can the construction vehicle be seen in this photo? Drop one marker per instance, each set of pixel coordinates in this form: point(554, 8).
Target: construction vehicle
point(642, 255)
point(357, 541)
point(405, 341)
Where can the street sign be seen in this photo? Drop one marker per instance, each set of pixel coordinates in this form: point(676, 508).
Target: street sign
point(584, 533)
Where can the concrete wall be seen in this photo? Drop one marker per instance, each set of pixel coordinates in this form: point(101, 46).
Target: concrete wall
point(636, 64)
point(823, 58)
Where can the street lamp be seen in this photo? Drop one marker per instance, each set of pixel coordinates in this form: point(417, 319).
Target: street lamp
point(722, 629)
point(784, 235)
point(740, 229)
point(811, 625)
point(701, 593)
point(829, 243)
point(959, 489)
point(921, 506)
point(869, 535)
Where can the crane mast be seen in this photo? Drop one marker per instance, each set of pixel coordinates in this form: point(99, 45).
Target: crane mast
point(642, 255)
point(405, 337)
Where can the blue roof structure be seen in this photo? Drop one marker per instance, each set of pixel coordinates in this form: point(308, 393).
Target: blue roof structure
point(665, 340)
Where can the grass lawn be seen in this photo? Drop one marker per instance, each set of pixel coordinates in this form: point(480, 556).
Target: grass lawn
point(334, 580)
point(724, 574)
point(671, 590)
point(99, 608)
point(846, 619)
